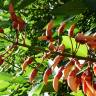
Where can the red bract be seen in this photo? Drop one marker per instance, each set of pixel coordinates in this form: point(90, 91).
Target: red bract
point(47, 73)
point(61, 28)
point(71, 30)
point(33, 75)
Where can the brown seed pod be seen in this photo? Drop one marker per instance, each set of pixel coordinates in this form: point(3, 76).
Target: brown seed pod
point(26, 63)
point(73, 81)
point(68, 68)
point(61, 28)
point(12, 12)
point(71, 30)
point(57, 60)
point(92, 44)
point(49, 31)
point(49, 27)
point(81, 38)
point(56, 79)
point(33, 75)
point(90, 91)
point(47, 73)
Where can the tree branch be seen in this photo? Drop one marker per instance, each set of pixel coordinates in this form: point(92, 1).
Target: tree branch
point(15, 42)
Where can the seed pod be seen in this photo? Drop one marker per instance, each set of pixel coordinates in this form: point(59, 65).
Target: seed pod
point(61, 48)
point(71, 30)
point(26, 63)
point(1, 60)
point(81, 38)
point(68, 68)
point(92, 44)
point(51, 46)
point(33, 75)
point(49, 31)
point(86, 77)
point(56, 79)
point(12, 12)
point(61, 28)
point(49, 27)
point(57, 60)
point(42, 38)
point(91, 38)
point(90, 90)
point(47, 73)
point(73, 81)
point(1, 30)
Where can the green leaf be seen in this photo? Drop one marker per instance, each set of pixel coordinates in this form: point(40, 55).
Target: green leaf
point(82, 51)
point(5, 76)
point(78, 93)
point(19, 79)
point(5, 24)
point(12, 79)
point(3, 85)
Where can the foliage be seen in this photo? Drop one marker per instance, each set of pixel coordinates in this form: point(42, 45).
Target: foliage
point(19, 42)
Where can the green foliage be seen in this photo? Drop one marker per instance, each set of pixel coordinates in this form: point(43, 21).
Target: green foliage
point(68, 45)
point(37, 14)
